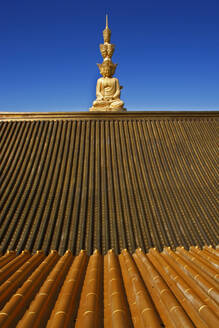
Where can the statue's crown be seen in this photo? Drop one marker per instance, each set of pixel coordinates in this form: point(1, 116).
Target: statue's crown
point(109, 64)
point(107, 50)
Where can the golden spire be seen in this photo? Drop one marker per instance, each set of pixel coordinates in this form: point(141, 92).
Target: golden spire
point(107, 48)
point(106, 32)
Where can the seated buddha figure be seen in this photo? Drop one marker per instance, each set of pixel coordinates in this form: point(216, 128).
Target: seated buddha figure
point(108, 89)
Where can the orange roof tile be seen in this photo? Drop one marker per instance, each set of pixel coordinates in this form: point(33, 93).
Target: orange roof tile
point(139, 290)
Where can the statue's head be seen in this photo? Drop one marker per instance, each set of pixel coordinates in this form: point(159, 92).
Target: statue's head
point(107, 68)
point(103, 50)
point(110, 48)
point(107, 50)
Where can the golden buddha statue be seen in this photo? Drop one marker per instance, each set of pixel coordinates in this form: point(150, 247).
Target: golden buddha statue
point(108, 88)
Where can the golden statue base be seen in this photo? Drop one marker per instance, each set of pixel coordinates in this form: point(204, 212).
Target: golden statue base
point(106, 109)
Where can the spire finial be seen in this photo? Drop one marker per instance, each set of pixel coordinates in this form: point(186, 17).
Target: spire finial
point(106, 32)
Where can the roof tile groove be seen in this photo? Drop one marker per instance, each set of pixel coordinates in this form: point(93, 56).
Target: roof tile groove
point(90, 308)
point(15, 308)
point(199, 312)
point(211, 250)
point(7, 270)
point(170, 310)
point(202, 288)
point(210, 260)
point(65, 309)
point(139, 290)
point(111, 182)
point(7, 258)
point(116, 312)
point(19, 276)
point(142, 309)
point(39, 310)
point(210, 274)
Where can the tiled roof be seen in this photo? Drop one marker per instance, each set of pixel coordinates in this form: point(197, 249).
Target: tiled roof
point(83, 181)
point(172, 289)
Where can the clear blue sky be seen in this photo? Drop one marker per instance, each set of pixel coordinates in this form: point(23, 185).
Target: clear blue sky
point(167, 53)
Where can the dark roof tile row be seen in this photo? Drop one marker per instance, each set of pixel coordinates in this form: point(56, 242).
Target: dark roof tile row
point(108, 183)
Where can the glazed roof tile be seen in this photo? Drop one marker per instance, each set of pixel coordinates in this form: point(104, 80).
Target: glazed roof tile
point(89, 181)
point(138, 290)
